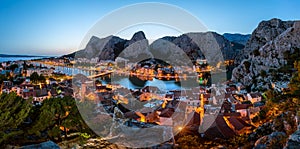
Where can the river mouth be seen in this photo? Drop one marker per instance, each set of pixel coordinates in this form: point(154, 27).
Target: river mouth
point(132, 82)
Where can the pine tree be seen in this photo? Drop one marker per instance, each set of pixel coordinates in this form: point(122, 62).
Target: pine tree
point(295, 81)
point(57, 115)
point(13, 112)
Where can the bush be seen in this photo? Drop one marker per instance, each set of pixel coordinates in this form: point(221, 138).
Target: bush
point(263, 73)
point(256, 52)
point(247, 65)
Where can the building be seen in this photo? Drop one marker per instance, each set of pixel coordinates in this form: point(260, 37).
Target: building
point(6, 86)
point(192, 105)
point(39, 95)
point(238, 125)
point(243, 109)
point(216, 127)
point(44, 72)
point(254, 97)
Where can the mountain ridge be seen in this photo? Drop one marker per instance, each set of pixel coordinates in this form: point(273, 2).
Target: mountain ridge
point(114, 45)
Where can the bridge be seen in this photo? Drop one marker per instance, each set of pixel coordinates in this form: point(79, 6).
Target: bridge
point(143, 75)
point(100, 74)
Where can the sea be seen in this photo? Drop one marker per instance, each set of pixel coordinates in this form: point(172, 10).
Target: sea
point(5, 59)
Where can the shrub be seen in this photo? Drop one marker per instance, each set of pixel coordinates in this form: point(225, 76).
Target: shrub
point(256, 52)
point(263, 73)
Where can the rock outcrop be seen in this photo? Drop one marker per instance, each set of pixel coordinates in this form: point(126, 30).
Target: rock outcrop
point(137, 47)
point(195, 45)
point(48, 144)
point(294, 140)
point(110, 47)
point(268, 52)
point(265, 32)
point(136, 37)
point(104, 48)
point(274, 134)
point(274, 140)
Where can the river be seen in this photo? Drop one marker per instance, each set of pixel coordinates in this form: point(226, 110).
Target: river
point(123, 81)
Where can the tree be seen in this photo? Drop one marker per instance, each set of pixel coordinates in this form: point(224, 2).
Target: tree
point(247, 65)
point(57, 115)
point(24, 65)
point(2, 78)
point(13, 67)
point(256, 52)
point(188, 141)
point(34, 77)
point(263, 73)
point(13, 112)
point(295, 81)
point(239, 140)
point(42, 79)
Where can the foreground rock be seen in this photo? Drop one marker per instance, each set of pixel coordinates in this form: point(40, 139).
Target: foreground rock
point(44, 145)
point(275, 134)
point(93, 143)
point(294, 140)
point(274, 140)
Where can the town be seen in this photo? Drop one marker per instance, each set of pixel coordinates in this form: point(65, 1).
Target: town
point(219, 110)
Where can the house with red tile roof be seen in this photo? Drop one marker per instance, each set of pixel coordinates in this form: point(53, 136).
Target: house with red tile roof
point(218, 128)
point(238, 125)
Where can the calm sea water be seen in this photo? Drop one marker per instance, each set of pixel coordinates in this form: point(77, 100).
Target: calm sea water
point(4, 59)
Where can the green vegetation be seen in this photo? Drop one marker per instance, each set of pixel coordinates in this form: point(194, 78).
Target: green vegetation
point(2, 78)
point(189, 141)
point(57, 115)
point(36, 78)
point(263, 73)
point(295, 81)
point(247, 65)
point(196, 142)
point(13, 113)
point(55, 119)
point(256, 52)
point(13, 67)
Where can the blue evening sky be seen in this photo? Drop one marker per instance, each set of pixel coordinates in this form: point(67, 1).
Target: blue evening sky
point(55, 27)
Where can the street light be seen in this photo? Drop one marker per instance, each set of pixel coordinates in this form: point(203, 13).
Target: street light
point(180, 128)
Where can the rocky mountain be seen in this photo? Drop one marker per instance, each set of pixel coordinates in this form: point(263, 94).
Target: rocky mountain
point(137, 47)
point(195, 45)
point(238, 42)
point(108, 48)
point(265, 32)
point(237, 38)
point(274, 45)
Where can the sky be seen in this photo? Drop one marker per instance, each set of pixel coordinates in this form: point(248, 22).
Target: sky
point(56, 27)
